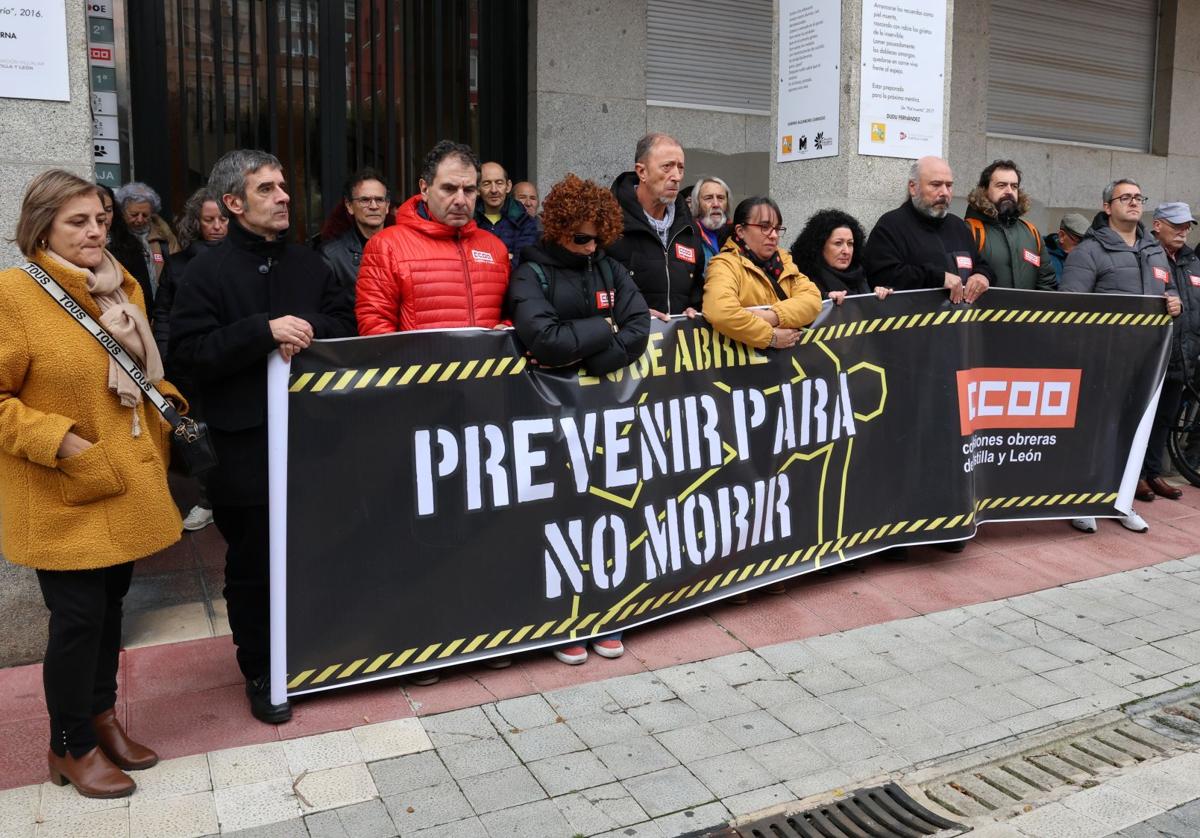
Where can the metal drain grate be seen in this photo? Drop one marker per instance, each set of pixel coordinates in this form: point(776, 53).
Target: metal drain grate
point(1079, 761)
point(878, 812)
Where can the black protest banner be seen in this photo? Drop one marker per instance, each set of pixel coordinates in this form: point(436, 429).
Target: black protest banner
point(448, 502)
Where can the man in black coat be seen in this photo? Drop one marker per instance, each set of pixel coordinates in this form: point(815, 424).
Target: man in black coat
point(659, 247)
point(252, 294)
point(921, 245)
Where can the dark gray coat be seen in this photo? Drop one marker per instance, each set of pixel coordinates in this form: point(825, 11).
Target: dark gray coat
point(1103, 264)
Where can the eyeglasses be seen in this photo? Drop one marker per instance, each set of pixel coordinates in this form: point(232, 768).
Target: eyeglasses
point(1131, 198)
point(584, 238)
point(370, 200)
point(767, 229)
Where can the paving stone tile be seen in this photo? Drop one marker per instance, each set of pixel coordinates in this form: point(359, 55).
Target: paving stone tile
point(658, 716)
point(749, 802)
point(325, 750)
point(431, 806)
point(901, 727)
point(690, 820)
point(869, 669)
point(59, 802)
point(501, 789)
point(1153, 659)
point(541, 742)
point(331, 788)
point(243, 807)
point(175, 777)
point(986, 636)
point(1027, 722)
point(874, 767)
point(1116, 670)
point(808, 715)
point(386, 740)
point(818, 782)
point(527, 712)
point(1033, 631)
point(329, 825)
point(19, 808)
point(992, 668)
point(635, 756)
point(914, 657)
point(688, 744)
point(1076, 679)
point(414, 771)
point(1111, 806)
point(539, 818)
point(995, 703)
point(182, 816)
point(756, 728)
point(690, 677)
point(1073, 650)
point(950, 679)
point(742, 668)
point(731, 774)
point(635, 690)
point(1037, 691)
point(571, 772)
point(649, 829)
point(1057, 820)
point(790, 657)
point(824, 678)
point(773, 693)
point(108, 823)
point(927, 750)
point(1110, 640)
point(718, 702)
point(1156, 785)
point(251, 764)
point(598, 729)
point(667, 791)
point(600, 809)
point(837, 647)
point(789, 759)
point(859, 703)
point(458, 727)
point(472, 826)
point(845, 743)
point(950, 716)
point(908, 691)
point(365, 820)
point(1035, 659)
point(581, 700)
point(291, 828)
point(470, 759)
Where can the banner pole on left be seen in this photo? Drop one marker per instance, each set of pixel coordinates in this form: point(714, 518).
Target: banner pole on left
point(278, 371)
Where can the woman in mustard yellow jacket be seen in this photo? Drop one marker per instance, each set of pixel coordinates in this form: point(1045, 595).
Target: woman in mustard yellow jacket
point(83, 469)
point(753, 292)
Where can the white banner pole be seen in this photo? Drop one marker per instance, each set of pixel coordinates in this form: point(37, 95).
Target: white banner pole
point(278, 371)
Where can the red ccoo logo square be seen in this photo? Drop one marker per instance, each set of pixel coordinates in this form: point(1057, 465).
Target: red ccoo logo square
point(1011, 397)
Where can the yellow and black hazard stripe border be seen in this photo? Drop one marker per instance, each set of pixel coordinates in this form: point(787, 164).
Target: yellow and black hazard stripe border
point(403, 376)
point(975, 315)
point(632, 607)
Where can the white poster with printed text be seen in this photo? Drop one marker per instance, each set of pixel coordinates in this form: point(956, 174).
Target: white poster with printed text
point(810, 57)
point(901, 104)
point(33, 50)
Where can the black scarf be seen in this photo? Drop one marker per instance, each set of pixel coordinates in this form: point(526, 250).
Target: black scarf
point(772, 267)
point(852, 280)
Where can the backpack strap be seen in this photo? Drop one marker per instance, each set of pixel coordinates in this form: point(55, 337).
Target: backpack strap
point(1037, 237)
point(978, 231)
point(543, 280)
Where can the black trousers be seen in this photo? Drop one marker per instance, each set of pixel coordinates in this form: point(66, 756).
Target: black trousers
point(80, 670)
point(1168, 404)
point(247, 583)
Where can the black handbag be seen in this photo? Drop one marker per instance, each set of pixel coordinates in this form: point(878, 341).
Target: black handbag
point(191, 444)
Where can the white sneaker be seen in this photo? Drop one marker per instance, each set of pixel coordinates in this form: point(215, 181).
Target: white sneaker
point(197, 519)
point(1134, 522)
point(1084, 524)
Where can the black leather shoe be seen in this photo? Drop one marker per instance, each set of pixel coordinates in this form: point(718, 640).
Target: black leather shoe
point(258, 690)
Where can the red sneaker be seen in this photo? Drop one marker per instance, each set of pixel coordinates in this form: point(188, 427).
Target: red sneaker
point(572, 655)
point(609, 647)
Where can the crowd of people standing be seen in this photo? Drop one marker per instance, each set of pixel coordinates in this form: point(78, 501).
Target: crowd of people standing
point(578, 275)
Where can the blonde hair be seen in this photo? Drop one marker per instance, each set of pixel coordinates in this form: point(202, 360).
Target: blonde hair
point(44, 197)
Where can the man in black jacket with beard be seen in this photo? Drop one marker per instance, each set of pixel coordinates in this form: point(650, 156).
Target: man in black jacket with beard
point(252, 294)
point(659, 247)
point(921, 245)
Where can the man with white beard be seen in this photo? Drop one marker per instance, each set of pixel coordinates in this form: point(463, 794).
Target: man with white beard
point(921, 245)
point(710, 208)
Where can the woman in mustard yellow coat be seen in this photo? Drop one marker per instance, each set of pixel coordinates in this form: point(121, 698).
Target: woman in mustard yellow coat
point(753, 292)
point(83, 469)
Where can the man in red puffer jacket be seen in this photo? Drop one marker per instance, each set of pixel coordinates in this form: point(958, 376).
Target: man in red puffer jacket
point(434, 268)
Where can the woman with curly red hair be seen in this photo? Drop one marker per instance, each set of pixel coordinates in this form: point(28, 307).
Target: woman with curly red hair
point(573, 305)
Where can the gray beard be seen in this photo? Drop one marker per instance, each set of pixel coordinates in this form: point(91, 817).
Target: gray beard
point(928, 210)
point(713, 223)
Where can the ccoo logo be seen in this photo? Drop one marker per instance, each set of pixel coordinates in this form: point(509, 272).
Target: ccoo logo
point(1010, 397)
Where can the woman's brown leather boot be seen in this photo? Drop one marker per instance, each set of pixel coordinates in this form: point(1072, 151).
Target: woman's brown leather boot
point(92, 775)
point(118, 747)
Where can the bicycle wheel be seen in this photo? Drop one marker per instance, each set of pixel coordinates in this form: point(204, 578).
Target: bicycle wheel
point(1183, 443)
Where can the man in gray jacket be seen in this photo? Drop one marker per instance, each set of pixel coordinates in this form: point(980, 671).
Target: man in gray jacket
point(1120, 257)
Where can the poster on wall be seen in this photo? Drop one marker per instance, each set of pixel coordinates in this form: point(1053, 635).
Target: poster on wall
point(33, 51)
point(810, 56)
point(901, 104)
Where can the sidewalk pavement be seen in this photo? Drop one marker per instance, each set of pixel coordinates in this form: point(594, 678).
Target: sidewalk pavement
point(872, 670)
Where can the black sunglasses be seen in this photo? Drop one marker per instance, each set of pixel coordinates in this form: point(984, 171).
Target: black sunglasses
point(584, 238)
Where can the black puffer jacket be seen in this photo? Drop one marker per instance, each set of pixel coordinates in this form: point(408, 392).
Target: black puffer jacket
point(343, 253)
point(1185, 341)
point(571, 320)
point(671, 278)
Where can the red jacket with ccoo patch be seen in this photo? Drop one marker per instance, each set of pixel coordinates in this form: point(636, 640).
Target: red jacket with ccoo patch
point(422, 274)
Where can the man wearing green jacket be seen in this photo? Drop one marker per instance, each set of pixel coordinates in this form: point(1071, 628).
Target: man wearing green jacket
point(1006, 241)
